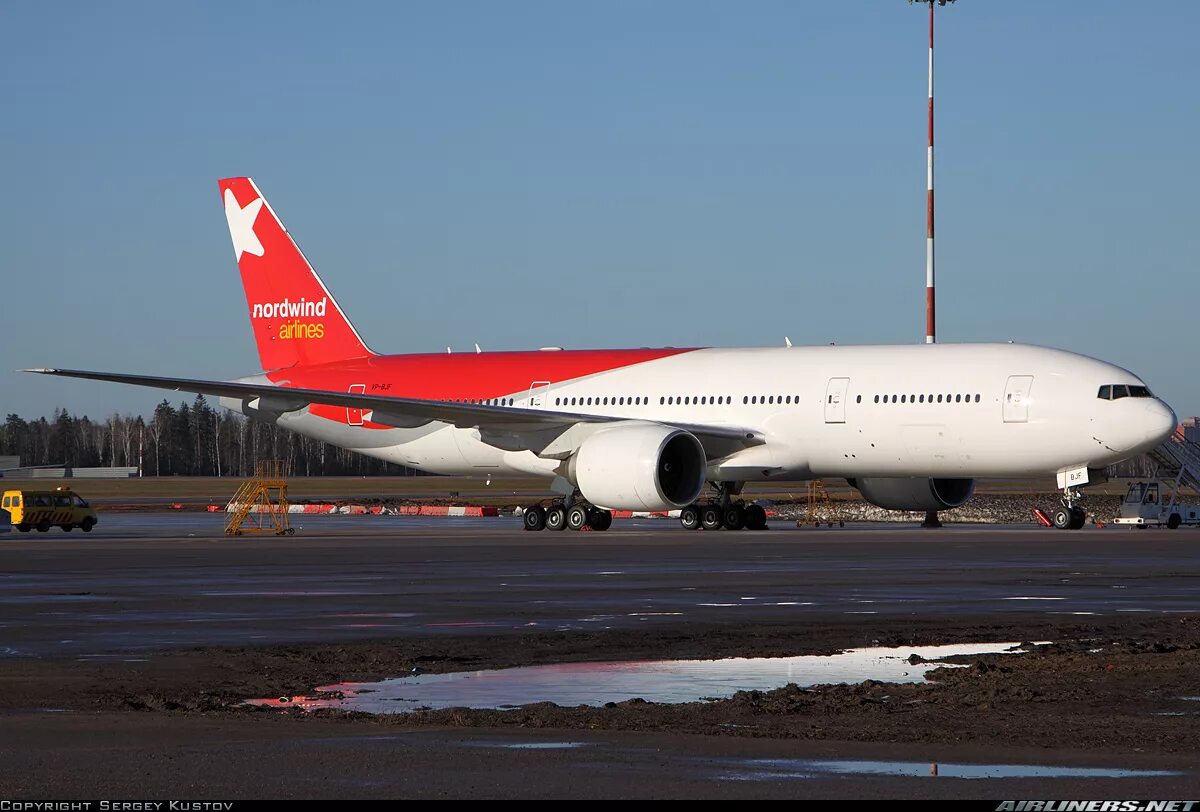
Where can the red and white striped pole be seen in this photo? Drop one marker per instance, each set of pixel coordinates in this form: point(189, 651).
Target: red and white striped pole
point(930, 321)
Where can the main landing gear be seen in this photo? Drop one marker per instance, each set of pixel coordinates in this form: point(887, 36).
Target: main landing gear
point(1071, 516)
point(560, 517)
point(724, 512)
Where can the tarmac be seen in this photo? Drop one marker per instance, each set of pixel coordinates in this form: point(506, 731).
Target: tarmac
point(87, 623)
point(151, 581)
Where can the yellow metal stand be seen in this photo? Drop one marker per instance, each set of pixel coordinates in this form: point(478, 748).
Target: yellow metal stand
point(821, 508)
point(264, 497)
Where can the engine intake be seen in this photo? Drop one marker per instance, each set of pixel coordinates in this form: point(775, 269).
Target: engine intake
point(640, 466)
point(913, 493)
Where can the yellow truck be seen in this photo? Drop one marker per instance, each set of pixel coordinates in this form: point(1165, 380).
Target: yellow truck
point(42, 509)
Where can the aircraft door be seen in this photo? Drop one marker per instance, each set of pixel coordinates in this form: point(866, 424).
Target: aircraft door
point(354, 417)
point(537, 392)
point(835, 400)
point(1016, 398)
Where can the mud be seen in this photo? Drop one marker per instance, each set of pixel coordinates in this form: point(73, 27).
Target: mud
point(1112, 686)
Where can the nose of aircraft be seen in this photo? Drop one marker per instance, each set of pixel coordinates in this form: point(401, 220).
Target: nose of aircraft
point(1160, 422)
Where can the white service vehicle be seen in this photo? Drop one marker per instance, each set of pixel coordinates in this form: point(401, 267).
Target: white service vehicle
point(1146, 505)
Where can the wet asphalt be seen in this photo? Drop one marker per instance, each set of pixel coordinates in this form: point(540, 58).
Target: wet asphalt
point(145, 582)
point(144, 756)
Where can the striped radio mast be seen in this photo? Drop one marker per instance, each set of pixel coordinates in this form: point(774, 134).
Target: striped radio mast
point(931, 517)
point(930, 306)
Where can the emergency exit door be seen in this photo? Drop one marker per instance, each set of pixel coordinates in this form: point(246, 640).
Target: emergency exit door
point(537, 393)
point(1016, 398)
point(835, 400)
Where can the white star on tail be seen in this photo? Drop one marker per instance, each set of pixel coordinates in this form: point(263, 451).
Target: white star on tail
point(241, 225)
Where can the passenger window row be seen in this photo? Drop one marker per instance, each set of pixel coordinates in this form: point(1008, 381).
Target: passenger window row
point(602, 401)
point(1106, 393)
point(958, 398)
point(694, 400)
point(678, 400)
point(759, 400)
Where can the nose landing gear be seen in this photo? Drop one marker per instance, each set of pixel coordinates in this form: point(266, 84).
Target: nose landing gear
point(1071, 516)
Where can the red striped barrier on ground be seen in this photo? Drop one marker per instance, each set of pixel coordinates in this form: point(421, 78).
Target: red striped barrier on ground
point(378, 510)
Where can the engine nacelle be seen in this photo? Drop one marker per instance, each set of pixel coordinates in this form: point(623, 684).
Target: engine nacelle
point(913, 493)
point(639, 467)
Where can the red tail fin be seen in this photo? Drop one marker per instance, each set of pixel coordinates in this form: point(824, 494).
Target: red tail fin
point(294, 317)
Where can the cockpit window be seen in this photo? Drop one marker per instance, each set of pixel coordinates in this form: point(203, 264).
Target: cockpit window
point(1117, 391)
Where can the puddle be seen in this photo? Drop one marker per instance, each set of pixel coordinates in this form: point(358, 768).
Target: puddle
point(662, 681)
point(775, 769)
point(533, 745)
point(81, 597)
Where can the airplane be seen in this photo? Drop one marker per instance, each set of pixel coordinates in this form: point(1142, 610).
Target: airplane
point(911, 427)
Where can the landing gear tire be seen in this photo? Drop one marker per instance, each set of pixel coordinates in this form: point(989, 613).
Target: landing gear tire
point(535, 518)
point(756, 517)
point(577, 517)
point(600, 519)
point(1078, 517)
point(1062, 518)
point(1173, 521)
point(733, 517)
point(556, 518)
point(689, 517)
point(710, 517)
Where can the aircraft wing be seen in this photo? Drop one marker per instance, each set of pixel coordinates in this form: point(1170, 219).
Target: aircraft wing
point(504, 426)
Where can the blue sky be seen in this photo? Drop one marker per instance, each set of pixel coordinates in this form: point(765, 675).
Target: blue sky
point(590, 175)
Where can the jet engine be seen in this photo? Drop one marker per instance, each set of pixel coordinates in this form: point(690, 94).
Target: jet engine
point(913, 493)
point(639, 466)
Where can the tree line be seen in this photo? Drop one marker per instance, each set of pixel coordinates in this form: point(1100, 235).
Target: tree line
point(186, 440)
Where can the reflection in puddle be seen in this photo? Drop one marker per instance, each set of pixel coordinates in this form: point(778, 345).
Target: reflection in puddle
point(775, 769)
point(534, 745)
point(665, 681)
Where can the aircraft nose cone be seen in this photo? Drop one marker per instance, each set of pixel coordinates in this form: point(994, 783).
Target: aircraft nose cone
point(1160, 422)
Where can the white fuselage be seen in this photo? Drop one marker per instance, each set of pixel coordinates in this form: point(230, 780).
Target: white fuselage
point(943, 410)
